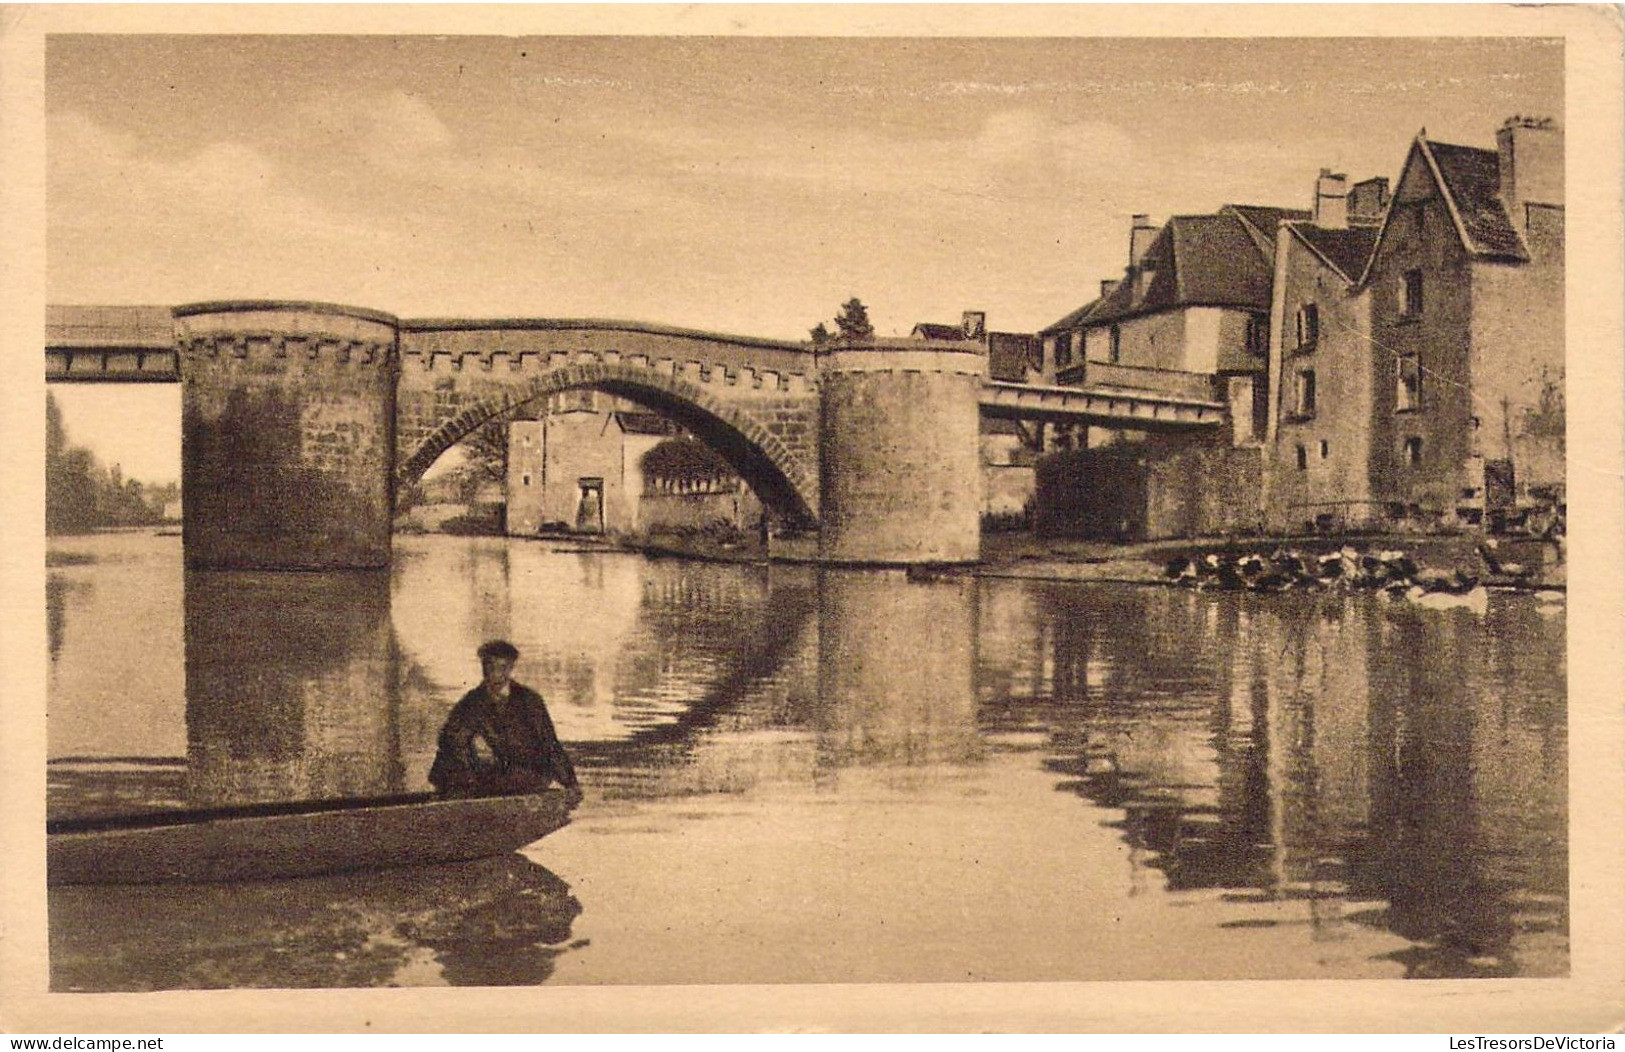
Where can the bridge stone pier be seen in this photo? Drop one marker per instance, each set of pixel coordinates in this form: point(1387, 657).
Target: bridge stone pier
point(287, 435)
point(901, 455)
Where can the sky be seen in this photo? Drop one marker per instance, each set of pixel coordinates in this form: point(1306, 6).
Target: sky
point(741, 185)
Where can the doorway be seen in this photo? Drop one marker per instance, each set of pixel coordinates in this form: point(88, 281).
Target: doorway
point(590, 506)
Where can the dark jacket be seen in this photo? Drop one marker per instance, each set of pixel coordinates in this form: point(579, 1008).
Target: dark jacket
point(489, 748)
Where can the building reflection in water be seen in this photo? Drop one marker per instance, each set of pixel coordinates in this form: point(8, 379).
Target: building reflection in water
point(1406, 765)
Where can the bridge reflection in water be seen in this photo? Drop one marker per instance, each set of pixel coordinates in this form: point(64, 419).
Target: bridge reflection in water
point(1260, 750)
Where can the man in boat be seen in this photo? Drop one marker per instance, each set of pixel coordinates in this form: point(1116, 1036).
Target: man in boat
point(499, 737)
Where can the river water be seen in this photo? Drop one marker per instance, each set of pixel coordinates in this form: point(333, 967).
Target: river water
point(804, 775)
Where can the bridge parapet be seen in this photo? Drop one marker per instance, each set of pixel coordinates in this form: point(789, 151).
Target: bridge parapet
point(697, 356)
point(739, 381)
point(1139, 379)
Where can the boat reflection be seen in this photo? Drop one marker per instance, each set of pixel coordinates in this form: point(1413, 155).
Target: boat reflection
point(498, 921)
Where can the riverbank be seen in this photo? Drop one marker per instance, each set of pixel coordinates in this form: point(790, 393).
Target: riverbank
point(1533, 563)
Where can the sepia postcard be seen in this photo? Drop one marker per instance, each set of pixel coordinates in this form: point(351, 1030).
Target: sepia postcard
point(713, 518)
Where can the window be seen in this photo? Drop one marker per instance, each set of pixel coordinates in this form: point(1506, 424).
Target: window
point(1114, 353)
point(1303, 393)
point(1063, 350)
point(524, 480)
point(1413, 450)
point(1410, 294)
point(1258, 336)
point(1325, 449)
point(1408, 392)
point(1303, 458)
point(1308, 325)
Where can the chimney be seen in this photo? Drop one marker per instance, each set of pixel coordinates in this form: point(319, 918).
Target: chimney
point(973, 323)
point(1531, 152)
point(1139, 238)
point(1368, 200)
point(1331, 200)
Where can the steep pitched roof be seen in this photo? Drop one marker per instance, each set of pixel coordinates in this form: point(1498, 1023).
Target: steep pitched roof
point(1469, 180)
point(1261, 222)
point(1216, 264)
point(1202, 260)
point(1221, 260)
point(1117, 303)
point(1344, 250)
point(1472, 179)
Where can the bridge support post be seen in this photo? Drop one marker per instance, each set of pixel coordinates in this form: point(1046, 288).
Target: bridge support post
point(288, 435)
point(899, 451)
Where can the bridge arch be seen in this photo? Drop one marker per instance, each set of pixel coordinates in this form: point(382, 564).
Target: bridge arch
point(780, 479)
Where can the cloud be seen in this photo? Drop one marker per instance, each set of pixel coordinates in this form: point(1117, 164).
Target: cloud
point(100, 179)
point(222, 218)
point(1027, 136)
point(387, 121)
point(1015, 154)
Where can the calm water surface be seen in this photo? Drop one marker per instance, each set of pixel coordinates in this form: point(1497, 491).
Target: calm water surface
point(796, 775)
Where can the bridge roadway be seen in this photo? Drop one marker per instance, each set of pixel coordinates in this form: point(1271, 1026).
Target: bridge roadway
point(138, 345)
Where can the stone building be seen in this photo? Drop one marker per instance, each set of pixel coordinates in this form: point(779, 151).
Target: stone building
point(577, 467)
point(1322, 372)
point(1387, 361)
point(1193, 303)
point(1466, 282)
point(580, 468)
point(1189, 316)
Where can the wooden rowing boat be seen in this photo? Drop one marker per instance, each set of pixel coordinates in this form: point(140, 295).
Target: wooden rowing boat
point(269, 841)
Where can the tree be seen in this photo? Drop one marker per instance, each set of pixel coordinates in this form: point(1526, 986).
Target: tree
point(70, 491)
point(853, 321)
point(82, 495)
point(487, 448)
point(851, 324)
point(685, 464)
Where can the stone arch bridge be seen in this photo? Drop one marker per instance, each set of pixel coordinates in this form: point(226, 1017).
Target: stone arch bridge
point(300, 420)
point(754, 401)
